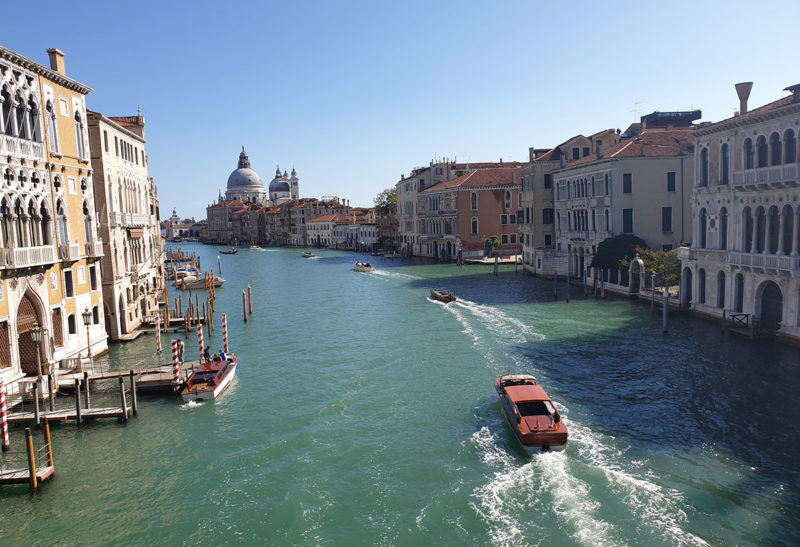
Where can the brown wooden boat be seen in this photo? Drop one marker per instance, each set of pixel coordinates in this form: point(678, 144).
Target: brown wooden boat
point(442, 295)
point(530, 413)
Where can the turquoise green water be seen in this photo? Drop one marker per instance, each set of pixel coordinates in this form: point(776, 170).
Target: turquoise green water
point(364, 413)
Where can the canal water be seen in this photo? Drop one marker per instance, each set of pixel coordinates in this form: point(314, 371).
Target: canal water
point(365, 413)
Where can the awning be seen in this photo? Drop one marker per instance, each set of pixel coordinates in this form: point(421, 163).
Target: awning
point(136, 232)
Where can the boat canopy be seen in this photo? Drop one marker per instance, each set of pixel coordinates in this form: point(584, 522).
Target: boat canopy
point(526, 393)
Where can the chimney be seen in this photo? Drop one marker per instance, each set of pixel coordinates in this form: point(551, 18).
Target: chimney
point(743, 91)
point(57, 60)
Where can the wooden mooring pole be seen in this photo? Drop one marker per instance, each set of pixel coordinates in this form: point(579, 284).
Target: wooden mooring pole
point(51, 390)
point(78, 418)
point(49, 444)
point(36, 403)
point(31, 457)
point(134, 402)
point(124, 417)
point(86, 389)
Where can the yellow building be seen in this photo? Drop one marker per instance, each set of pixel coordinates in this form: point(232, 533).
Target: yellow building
point(49, 256)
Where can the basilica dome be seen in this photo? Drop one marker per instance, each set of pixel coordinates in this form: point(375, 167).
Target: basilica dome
point(244, 183)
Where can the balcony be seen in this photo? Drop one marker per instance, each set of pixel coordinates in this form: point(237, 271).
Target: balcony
point(766, 263)
point(116, 219)
point(69, 252)
point(94, 249)
point(26, 257)
point(21, 148)
point(776, 175)
point(137, 219)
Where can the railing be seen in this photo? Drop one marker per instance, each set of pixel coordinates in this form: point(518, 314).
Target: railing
point(782, 263)
point(69, 251)
point(13, 146)
point(94, 248)
point(138, 219)
point(23, 257)
point(766, 175)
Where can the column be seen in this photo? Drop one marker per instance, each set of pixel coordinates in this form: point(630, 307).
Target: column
point(781, 228)
point(754, 238)
point(795, 227)
point(767, 231)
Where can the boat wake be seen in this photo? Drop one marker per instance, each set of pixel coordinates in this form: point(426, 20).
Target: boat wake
point(396, 275)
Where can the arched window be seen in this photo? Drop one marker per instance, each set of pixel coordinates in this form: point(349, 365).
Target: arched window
point(790, 145)
point(79, 135)
point(474, 225)
point(508, 199)
point(724, 163)
point(45, 224)
point(721, 289)
point(723, 228)
point(701, 286)
point(704, 167)
point(33, 121)
point(749, 153)
point(19, 212)
point(774, 149)
point(87, 222)
point(762, 151)
point(607, 221)
point(606, 177)
point(33, 225)
point(5, 224)
point(473, 201)
point(52, 131)
point(22, 130)
point(739, 296)
point(7, 126)
point(702, 228)
point(788, 229)
point(761, 229)
point(63, 232)
point(774, 230)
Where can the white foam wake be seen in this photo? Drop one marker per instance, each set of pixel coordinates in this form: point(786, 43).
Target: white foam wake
point(500, 323)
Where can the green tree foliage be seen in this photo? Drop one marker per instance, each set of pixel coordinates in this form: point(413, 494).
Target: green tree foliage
point(386, 202)
point(612, 251)
point(493, 242)
point(665, 264)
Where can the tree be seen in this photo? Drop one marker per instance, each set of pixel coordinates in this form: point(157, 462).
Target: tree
point(386, 202)
point(611, 251)
point(665, 264)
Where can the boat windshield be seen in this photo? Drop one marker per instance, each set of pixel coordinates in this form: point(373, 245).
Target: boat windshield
point(203, 376)
point(535, 408)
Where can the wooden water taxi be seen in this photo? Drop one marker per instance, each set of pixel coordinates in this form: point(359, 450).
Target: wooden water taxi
point(363, 267)
point(442, 295)
point(255, 248)
point(232, 251)
point(307, 254)
point(210, 379)
point(530, 413)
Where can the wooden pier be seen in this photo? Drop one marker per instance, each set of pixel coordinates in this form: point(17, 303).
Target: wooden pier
point(69, 414)
point(40, 466)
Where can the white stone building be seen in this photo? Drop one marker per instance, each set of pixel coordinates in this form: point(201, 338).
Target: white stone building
point(744, 256)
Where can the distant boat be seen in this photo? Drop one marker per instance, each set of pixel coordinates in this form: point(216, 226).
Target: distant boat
point(363, 267)
point(307, 254)
point(530, 413)
point(233, 251)
point(210, 379)
point(442, 295)
point(255, 248)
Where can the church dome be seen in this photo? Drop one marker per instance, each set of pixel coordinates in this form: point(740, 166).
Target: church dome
point(244, 175)
point(279, 183)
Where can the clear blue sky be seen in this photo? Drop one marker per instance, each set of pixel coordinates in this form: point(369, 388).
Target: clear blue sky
point(352, 94)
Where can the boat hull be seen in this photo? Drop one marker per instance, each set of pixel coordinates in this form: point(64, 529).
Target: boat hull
point(441, 296)
point(536, 433)
point(209, 393)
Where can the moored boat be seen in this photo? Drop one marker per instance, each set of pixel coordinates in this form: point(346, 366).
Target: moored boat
point(200, 283)
point(307, 254)
point(232, 251)
point(442, 295)
point(210, 379)
point(363, 267)
point(530, 413)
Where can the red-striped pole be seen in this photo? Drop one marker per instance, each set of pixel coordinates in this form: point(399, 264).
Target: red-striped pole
point(200, 340)
point(244, 305)
point(176, 362)
point(158, 334)
point(225, 332)
point(3, 418)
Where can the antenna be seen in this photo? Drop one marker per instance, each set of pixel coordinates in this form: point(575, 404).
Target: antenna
point(636, 111)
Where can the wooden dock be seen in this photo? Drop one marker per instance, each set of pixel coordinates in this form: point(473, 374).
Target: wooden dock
point(40, 466)
point(69, 414)
point(23, 475)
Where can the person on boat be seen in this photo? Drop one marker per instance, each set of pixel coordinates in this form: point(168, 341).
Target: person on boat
point(180, 350)
point(222, 356)
point(207, 354)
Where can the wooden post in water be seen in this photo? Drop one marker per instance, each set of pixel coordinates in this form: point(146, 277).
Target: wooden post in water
point(724, 322)
point(665, 314)
point(585, 288)
point(134, 402)
point(31, 457)
point(555, 285)
point(36, 387)
point(196, 308)
point(49, 444)
point(219, 265)
point(653, 288)
point(496, 264)
point(78, 401)
point(566, 277)
point(124, 417)
point(602, 284)
point(244, 305)
point(51, 390)
point(86, 388)
point(249, 300)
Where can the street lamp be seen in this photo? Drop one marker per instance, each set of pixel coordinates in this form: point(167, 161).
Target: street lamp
point(36, 335)
point(87, 320)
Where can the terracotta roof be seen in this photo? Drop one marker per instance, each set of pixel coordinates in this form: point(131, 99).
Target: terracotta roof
point(328, 218)
point(127, 121)
point(495, 176)
point(231, 203)
point(765, 108)
point(653, 143)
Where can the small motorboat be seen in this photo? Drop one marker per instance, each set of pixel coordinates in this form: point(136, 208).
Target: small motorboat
point(363, 267)
point(186, 271)
point(255, 248)
point(530, 413)
point(233, 251)
point(442, 295)
point(307, 254)
point(195, 282)
point(210, 379)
